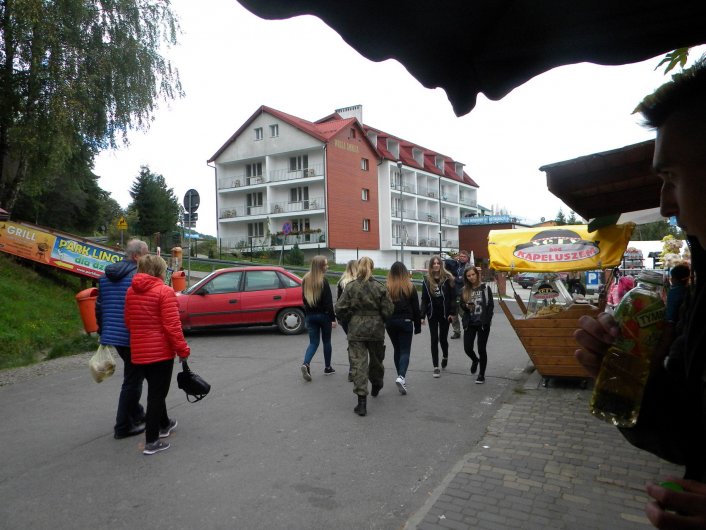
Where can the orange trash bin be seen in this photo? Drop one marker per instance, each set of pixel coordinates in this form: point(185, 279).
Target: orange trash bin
point(86, 301)
point(179, 281)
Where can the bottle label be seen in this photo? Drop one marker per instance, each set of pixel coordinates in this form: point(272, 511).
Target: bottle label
point(650, 316)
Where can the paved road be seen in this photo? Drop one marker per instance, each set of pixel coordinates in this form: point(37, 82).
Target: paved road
point(267, 450)
point(264, 450)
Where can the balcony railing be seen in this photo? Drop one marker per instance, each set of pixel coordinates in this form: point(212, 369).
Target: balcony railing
point(283, 175)
point(313, 203)
point(245, 243)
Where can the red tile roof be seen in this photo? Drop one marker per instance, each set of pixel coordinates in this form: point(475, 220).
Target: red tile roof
point(329, 126)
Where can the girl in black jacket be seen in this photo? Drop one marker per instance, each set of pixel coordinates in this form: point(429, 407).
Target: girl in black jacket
point(438, 307)
point(477, 306)
point(405, 321)
point(320, 316)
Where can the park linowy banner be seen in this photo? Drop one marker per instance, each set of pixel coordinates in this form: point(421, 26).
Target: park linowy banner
point(56, 248)
point(558, 248)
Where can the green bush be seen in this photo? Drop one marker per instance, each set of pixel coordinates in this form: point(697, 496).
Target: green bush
point(295, 256)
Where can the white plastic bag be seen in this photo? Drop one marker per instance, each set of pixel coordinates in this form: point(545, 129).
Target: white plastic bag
point(102, 363)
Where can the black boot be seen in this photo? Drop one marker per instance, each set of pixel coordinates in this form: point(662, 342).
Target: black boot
point(376, 387)
point(361, 409)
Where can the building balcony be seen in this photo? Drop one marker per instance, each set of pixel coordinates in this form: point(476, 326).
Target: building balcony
point(285, 175)
point(285, 207)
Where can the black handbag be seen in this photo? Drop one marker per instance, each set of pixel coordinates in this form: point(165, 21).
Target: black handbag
point(191, 383)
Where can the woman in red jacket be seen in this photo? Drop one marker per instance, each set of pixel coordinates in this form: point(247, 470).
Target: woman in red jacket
point(152, 316)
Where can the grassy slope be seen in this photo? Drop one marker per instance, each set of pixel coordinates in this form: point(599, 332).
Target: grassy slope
point(39, 317)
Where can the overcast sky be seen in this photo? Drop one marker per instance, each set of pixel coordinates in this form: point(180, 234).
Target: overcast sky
point(231, 62)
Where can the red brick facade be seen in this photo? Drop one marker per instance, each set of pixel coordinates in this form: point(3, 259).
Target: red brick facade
point(345, 181)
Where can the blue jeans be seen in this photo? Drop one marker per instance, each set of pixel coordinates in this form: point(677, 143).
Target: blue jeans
point(319, 326)
point(400, 331)
point(130, 412)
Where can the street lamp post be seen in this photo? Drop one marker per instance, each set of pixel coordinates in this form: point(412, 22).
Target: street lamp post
point(439, 215)
point(399, 167)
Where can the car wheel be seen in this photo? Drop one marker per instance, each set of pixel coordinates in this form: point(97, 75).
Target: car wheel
point(290, 321)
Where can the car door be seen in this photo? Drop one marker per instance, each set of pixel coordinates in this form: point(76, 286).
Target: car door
point(217, 302)
point(263, 296)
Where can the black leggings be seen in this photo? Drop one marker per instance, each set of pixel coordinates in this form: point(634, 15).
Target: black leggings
point(439, 330)
point(469, 337)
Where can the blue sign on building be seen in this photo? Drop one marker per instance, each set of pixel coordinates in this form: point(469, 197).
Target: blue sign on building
point(487, 220)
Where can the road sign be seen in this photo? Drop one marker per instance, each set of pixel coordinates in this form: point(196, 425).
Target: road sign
point(190, 219)
point(286, 228)
point(192, 201)
point(122, 224)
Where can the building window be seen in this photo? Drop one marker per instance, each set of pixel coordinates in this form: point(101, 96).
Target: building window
point(364, 165)
point(274, 130)
point(299, 194)
point(254, 202)
point(297, 163)
point(352, 132)
point(255, 232)
point(253, 170)
point(258, 133)
point(366, 225)
point(365, 194)
point(302, 225)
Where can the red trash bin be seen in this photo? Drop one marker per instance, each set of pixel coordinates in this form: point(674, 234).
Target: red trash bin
point(86, 301)
point(179, 281)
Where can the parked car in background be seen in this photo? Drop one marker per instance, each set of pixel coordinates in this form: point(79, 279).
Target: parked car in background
point(528, 279)
point(244, 296)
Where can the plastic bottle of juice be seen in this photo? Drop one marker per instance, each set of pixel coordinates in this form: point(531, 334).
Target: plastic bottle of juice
point(617, 393)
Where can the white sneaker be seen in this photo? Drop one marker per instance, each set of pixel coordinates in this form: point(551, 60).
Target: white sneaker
point(401, 385)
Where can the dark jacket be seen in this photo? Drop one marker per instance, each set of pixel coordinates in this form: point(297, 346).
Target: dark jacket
point(408, 309)
point(448, 295)
point(324, 304)
point(365, 305)
point(456, 268)
point(478, 312)
point(672, 421)
point(110, 304)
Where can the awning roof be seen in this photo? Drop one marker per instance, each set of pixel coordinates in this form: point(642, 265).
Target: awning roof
point(469, 47)
point(611, 182)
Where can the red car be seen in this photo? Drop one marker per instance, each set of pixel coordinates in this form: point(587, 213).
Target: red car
point(244, 296)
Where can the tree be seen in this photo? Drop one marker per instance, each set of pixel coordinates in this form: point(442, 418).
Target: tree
point(75, 76)
point(656, 231)
point(560, 217)
point(155, 205)
point(571, 220)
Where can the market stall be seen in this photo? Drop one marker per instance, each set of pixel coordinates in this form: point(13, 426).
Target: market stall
point(547, 321)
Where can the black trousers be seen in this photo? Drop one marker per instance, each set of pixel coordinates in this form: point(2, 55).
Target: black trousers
point(159, 377)
point(469, 338)
point(439, 331)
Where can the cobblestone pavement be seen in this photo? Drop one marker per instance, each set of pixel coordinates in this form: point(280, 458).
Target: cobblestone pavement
point(545, 462)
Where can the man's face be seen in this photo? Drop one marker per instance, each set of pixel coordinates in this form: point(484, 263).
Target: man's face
point(680, 161)
point(463, 258)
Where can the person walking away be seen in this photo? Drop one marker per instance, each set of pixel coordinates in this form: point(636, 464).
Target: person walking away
point(477, 306)
point(366, 305)
point(152, 316)
point(405, 320)
point(320, 316)
point(110, 311)
point(347, 277)
point(438, 308)
point(456, 267)
point(672, 420)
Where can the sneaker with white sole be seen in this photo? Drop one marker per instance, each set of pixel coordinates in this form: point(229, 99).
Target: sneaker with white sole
point(329, 370)
point(437, 372)
point(401, 385)
point(163, 433)
point(306, 372)
point(480, 380)
point(155, 447)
